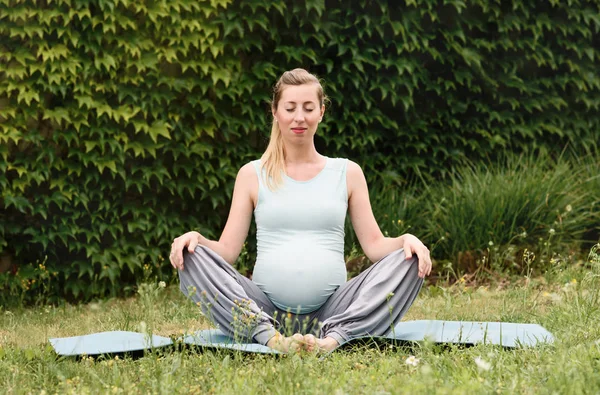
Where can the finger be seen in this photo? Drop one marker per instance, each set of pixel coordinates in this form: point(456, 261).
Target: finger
point(177, 255)
point(172, 256)
point(423, 264)
point(407, 251)
point(174, 260)
point(430, 266)
point(192, 246)
point(180, 258)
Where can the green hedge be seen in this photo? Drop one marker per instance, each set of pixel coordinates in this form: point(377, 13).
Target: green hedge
point(123, 123)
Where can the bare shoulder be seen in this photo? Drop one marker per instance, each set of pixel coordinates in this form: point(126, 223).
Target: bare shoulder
point(354, 169)
point(355, 178)
point(247, 180)
point(247, 171)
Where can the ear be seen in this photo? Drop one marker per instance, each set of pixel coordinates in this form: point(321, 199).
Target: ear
point(322, 110)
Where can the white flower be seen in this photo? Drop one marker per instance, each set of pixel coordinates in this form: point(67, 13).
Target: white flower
point(524, 234)
point(568, 208)
point(412, 361)
point(491, 243)
point(162, 284)
point(552, 231)
point(482, 364)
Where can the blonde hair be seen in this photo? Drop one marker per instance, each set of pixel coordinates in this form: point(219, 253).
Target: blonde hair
point(273, 159)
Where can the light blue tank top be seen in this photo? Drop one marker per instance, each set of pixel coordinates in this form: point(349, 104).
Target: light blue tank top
point(300, 238)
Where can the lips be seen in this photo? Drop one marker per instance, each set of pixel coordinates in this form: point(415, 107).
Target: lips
point(298, 130)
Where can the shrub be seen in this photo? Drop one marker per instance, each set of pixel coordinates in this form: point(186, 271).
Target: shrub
point(122, 124)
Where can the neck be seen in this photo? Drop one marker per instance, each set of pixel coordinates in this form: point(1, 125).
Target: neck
point(306, 153)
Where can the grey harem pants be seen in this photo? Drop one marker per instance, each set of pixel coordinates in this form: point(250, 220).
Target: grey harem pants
point(369, 304)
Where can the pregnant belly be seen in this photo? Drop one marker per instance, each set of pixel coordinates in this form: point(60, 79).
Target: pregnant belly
point(299, 279)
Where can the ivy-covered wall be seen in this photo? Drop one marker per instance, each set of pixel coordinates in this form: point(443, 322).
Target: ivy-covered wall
point(123, 122)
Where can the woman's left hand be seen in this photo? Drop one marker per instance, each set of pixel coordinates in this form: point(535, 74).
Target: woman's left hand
point(413, 245)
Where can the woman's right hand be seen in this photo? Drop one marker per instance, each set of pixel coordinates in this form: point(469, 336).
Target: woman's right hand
point(189, 240)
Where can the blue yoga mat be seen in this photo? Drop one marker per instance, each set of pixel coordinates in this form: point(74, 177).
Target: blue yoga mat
point(448, 332)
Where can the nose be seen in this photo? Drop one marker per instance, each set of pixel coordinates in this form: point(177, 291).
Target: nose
point(299, 116)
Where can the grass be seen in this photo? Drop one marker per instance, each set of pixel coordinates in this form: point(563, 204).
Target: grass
point(565, 300)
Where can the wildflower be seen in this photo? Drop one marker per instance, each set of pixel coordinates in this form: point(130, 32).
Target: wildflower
point(482, 364)
point(568, 208)
point(491, 243)
point(524, 234)
point(412, 361)
point(399, 222)
point(573, 281)
point(552, 231)
point(162, 284)
point(143, 327)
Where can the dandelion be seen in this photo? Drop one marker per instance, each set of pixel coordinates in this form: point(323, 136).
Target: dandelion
point(482, 364)
point(162, 284)
point(412, 361)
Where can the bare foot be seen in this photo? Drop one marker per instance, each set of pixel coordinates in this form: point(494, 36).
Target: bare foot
point(327, 344)
point(289, 344)
point(312, 344)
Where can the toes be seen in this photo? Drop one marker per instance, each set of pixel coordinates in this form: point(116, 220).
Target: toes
point(310, 343)
point(296, 343)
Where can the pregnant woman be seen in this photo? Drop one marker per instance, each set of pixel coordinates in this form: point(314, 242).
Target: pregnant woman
point(299, 199)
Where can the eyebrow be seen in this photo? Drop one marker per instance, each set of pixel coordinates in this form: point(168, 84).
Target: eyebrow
point(293, 102)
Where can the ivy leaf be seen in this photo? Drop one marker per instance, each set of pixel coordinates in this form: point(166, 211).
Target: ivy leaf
point(159, 128)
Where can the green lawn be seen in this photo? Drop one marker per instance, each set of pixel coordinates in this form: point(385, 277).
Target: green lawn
point(564, 300)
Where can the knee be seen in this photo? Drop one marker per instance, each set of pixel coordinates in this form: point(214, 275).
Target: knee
point(401, 267)
point(398, 257)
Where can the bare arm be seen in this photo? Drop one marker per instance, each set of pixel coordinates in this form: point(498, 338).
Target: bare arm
point(373, 242)
point(236, 229)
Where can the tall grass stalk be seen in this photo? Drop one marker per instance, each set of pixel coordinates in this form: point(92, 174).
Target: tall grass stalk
point(522, 201)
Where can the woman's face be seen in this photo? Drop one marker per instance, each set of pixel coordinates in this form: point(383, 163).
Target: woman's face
point(298, 113)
